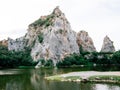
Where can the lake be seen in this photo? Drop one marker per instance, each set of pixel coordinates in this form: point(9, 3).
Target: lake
point(33, 79)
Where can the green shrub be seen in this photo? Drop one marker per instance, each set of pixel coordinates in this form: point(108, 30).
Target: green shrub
point(60, 31)
point(49, 63)
point(116, 57)
point(46, 63)
point(46, 22)
point(40, 37)
point(11, 59)
point(74, 59)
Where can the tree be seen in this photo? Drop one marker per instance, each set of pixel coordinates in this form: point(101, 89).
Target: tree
point(116, 57)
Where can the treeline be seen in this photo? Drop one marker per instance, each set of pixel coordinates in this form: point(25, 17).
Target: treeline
point(12, 59)
point(91, 58)
point(85, 58)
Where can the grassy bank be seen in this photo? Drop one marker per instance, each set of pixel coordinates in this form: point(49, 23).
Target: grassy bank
point(106, 79)
point(61, 78)
point(98, 77)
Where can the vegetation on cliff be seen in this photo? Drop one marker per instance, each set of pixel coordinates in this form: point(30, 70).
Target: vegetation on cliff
point(46, 21)
point(40, 37)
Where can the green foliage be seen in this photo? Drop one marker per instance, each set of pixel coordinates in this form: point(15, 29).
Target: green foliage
point(116, 57)
point(42, 61)
point(46, 63)
point(49, 63)
point(60, 31)
point(71, 60)
point(40, 37)
point(82, 52)
point(10, 59)
point(94, 58)
point(33, 43)
point(47, 21)
point(105, 78)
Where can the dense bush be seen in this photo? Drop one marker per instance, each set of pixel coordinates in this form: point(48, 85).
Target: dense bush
point(10, 59)
point(100, 58)
point(74, 59)
point(40, 37)
point(49, 63)
point(116, 57)
point(46, 22)
point(46, 63)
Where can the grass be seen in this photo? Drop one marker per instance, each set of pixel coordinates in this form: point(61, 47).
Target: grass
point(61, 78)
point(105, 78)
point(96, 79)
point(56, 78)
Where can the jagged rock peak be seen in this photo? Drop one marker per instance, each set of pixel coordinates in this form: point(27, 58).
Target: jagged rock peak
point(49, 20)
point(45, 24)
point(49, 37)
point(107, 45)
point(85, 41)
point(18, 44)
point(57, 11)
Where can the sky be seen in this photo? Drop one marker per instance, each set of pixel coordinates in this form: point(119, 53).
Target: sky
point(98, 17)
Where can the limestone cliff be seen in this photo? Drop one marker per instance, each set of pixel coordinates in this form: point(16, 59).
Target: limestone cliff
point(58, 38)
point(107, 45)
point(17, 44)
point(49, 37)
point(85, 41)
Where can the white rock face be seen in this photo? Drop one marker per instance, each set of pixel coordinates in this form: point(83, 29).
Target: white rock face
point(107, 45)
point(85, 41)
point(50, 37)
point(17, 45)
point(58, 39)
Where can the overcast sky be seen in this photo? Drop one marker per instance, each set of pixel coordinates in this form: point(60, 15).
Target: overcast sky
point(98, 17)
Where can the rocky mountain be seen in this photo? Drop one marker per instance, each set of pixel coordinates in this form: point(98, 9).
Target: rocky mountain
point(17, 44)
point(107, 45)
point(85, 41)
point(51, 37)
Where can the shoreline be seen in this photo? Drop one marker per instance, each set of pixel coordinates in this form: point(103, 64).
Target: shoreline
point(88, 76)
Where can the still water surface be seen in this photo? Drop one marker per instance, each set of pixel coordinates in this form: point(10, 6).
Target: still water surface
point(33, 79)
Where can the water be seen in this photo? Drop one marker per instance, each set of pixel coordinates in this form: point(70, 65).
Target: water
point(33, 79)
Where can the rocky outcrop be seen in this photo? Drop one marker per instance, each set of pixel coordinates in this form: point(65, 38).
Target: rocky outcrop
point(17, 44)
point(107, 45)
point(49, 37)
point(58, 38)
point(4, 43)
point(85, 42)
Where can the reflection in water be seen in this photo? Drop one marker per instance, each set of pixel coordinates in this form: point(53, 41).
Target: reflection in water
point(33, 79)
point(37, 81)
point(13, 86)
point(106, 87)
